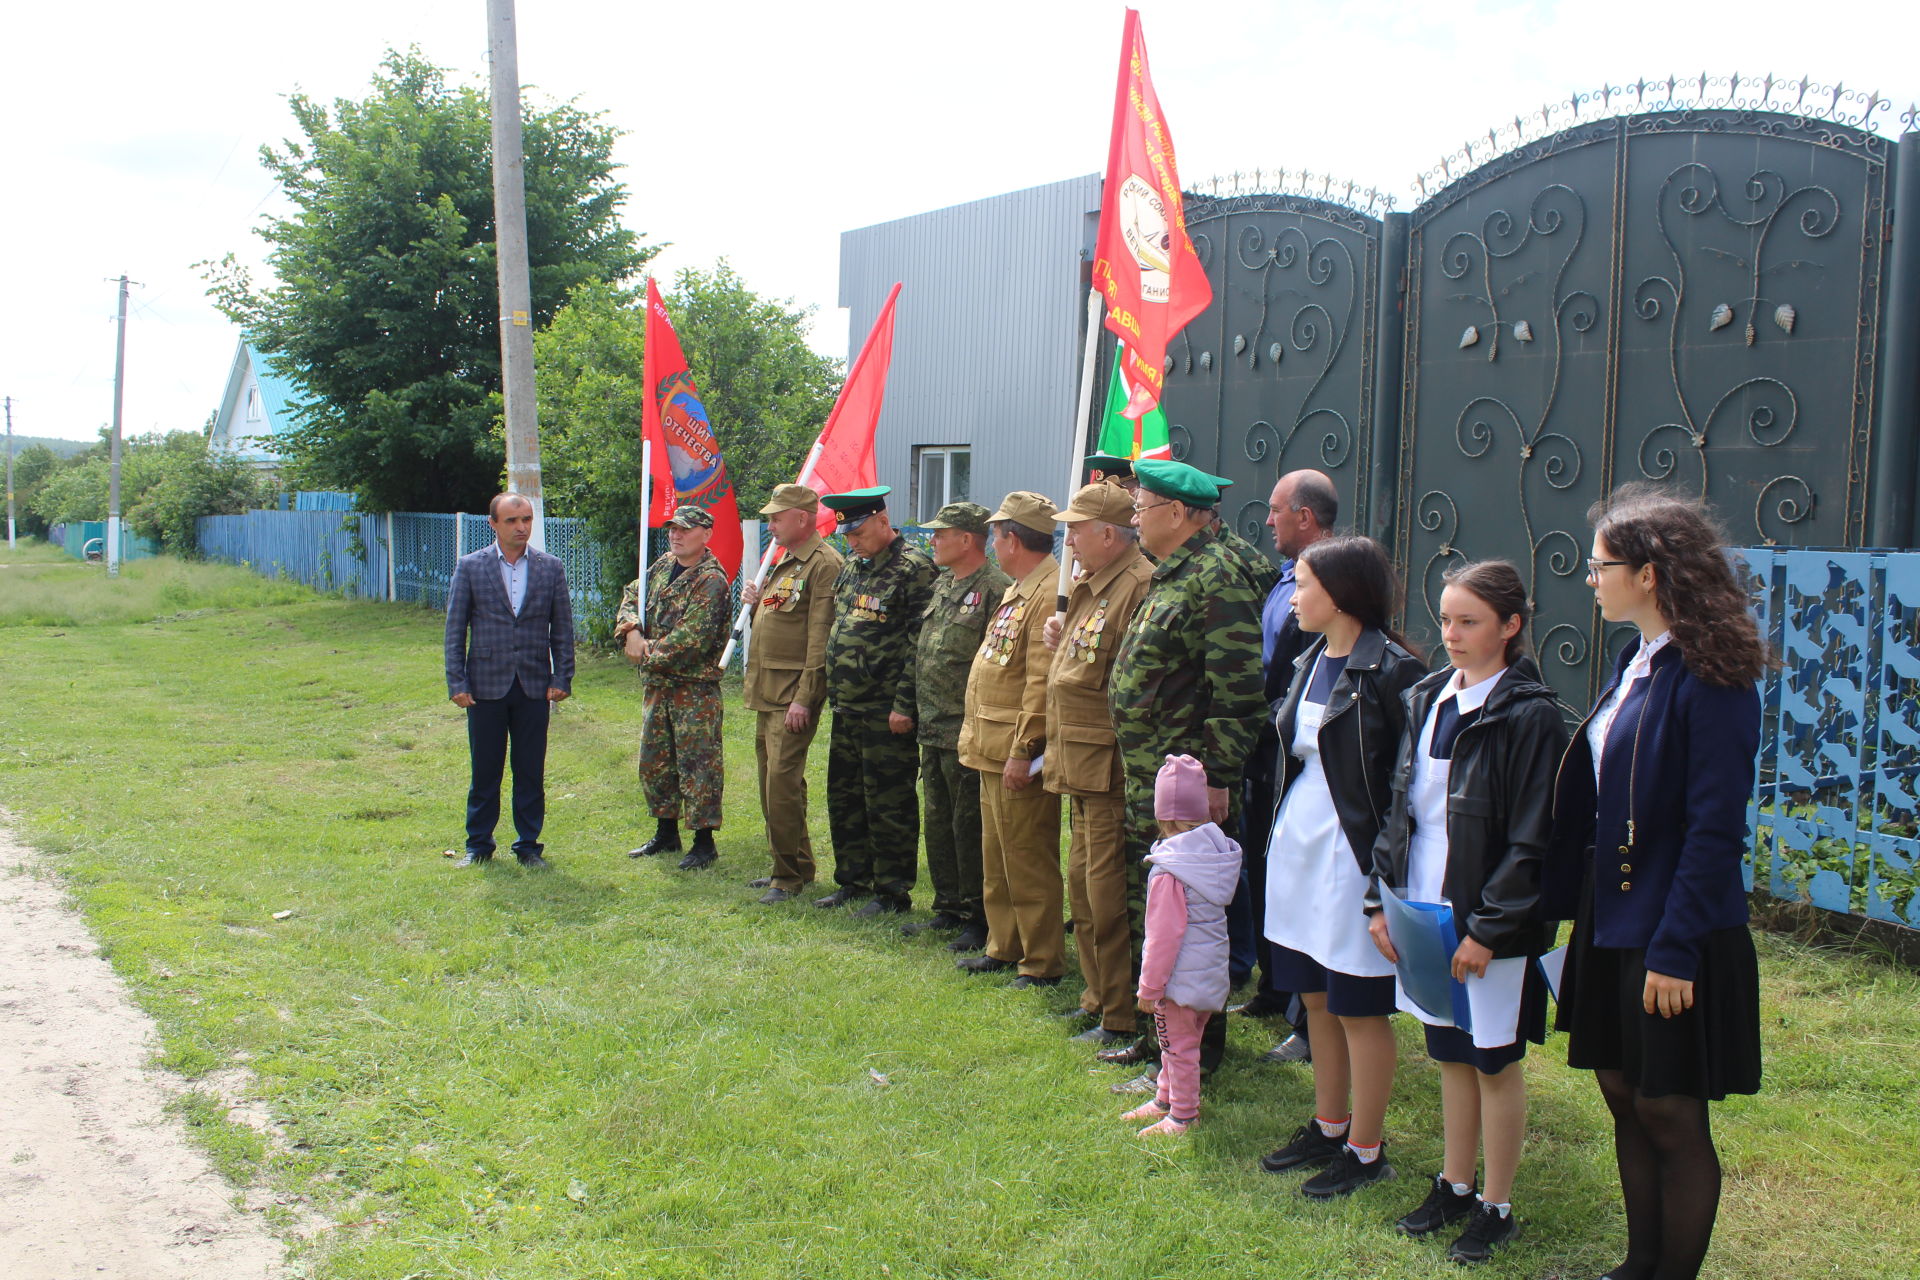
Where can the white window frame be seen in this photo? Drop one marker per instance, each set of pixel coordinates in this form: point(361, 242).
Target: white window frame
point(926, 504)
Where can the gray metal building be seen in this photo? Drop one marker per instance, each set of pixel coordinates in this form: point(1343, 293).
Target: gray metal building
point(987, 338)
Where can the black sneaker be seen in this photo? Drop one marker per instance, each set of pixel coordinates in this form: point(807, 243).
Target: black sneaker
point(1309, 1146)
point(1347, 1174)
point(1441, 1208)
point(1486, 1231)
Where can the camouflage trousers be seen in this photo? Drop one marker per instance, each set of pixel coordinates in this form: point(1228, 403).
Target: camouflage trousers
point(871, 808)
point(952, 809)
point(680, 763)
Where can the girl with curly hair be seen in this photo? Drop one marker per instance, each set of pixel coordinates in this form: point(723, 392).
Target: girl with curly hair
point(1660, 996)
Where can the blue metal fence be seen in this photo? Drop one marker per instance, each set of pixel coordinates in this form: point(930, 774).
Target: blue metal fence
point(330, 550)
point(80, 537)
point(1839, 783)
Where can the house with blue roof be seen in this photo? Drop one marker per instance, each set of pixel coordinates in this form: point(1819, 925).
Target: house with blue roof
point(255, 409)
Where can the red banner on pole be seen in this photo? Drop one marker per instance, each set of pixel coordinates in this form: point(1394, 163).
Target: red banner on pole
point(687, 466)
point(1144, 262)
point(845, 448)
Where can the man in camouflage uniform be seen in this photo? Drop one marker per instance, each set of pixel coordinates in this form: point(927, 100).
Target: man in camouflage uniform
point(871, 762)
point(963, 599)
point(1004, 735)
point(786, 683)
point(1187, 678)
point(678, 652)
point(1083, 757)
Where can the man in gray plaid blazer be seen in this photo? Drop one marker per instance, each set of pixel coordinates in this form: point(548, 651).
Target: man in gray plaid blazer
point(509, 658)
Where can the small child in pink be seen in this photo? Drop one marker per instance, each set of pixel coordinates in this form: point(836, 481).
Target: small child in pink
point(1183, 969)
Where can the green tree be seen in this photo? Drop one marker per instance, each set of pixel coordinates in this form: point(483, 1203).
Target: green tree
point(386, 307)
point(32, 467)
point(191, 484)
point(80, 489)
point(766, 392)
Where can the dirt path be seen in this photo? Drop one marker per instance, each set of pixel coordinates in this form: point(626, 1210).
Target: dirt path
point(96, 1179)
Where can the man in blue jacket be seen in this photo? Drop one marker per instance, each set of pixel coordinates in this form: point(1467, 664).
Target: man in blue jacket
point(509, 657)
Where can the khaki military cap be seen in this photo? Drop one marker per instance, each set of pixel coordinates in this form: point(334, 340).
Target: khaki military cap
point(968, 517)
point(1033, 510)
point(1103, 501)
point(791, 497)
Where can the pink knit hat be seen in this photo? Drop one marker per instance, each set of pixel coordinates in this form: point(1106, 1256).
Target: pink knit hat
point(1180, 791)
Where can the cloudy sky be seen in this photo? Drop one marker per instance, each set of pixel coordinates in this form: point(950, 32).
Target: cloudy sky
point(761, 131)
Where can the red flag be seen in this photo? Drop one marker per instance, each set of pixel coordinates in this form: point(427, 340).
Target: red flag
point(842, 457)
point(1144, 261)
point(687, 466)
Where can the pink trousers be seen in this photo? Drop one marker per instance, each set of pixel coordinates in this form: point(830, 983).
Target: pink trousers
point(1179, 1029)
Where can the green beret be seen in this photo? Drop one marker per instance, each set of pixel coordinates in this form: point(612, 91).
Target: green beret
point(1178, 481)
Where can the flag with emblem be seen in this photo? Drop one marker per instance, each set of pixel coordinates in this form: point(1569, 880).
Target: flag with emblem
point(1144, 262)
point(1133, 438)
point(687, 466)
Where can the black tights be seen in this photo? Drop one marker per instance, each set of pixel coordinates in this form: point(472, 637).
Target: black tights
point(1669, 1180)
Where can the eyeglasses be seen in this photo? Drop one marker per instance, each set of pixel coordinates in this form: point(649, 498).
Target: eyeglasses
point(1137, 508)
point(1595, 566)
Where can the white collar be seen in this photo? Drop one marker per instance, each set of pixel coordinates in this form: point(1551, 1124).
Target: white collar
point(1642, 660)
point(1471, 698)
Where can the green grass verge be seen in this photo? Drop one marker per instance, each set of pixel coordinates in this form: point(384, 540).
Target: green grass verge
point(617, 1069)
point(42, 586)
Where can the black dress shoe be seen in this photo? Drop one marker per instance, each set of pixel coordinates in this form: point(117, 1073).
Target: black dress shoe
point(1261, 1006)
point(983, 964)
point(942, 922)
point(838, 898)
point(699, 859)
point(533, 861)
point(474, 859)
point(1131, 1055)
point(1098, 1035)
point(666, 839)
point(971, 938)
point(1026, 980)
point(883, 904)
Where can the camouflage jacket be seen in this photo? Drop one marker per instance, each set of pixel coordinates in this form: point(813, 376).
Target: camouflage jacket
point(950, 630)
point(877, 605)
point(1187, 676)
point(1260, 569)
point(687, 621)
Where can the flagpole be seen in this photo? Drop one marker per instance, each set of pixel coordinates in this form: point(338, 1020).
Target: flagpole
point(773, 549)
point(1078, 440)
point(646, 513)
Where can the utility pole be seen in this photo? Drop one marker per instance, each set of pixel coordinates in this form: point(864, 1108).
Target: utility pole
point(10, 473)
point(510, 256)
point(113, 484)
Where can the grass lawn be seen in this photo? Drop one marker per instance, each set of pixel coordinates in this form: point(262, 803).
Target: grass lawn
point(618, 1069)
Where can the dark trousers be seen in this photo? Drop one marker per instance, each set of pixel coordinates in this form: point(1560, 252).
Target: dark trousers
point(497, 727)
point(872, 810)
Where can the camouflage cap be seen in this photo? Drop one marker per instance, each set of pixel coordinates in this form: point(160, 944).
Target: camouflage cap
point(969, 517)
point(1103, 501)
point(791, 497)
point(1178, 481)
point(1024, 507)
point(688, 516)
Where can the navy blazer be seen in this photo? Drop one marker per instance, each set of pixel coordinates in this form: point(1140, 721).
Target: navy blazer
point(1667, 828)
point(487, 646)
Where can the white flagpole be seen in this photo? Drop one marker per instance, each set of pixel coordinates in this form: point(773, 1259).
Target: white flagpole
point(1077, 441)
point(646, 510)
point(773, 549)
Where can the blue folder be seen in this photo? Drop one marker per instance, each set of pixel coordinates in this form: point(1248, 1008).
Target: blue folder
point(1425, 938)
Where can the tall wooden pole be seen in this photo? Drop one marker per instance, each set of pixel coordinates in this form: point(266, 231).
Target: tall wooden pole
point(516, 294)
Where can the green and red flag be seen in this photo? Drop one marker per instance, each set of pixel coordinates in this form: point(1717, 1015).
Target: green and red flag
point(1131, 438)
point(1144, 262)
point(687, 466)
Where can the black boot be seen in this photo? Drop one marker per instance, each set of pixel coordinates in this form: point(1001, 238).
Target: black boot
point(665, 840)
point(703, 854)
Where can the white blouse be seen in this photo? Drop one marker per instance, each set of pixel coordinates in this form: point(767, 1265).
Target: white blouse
point(1600, 723)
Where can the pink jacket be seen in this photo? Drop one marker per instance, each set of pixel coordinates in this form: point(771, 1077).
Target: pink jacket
point(1193, 879)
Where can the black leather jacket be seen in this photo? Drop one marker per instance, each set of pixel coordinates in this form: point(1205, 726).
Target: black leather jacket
point(1358, 735)
point(1499, 810)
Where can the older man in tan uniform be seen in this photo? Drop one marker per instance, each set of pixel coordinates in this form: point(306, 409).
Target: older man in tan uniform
point(786, 679)
point(1004, 734)
point(1083, 757)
